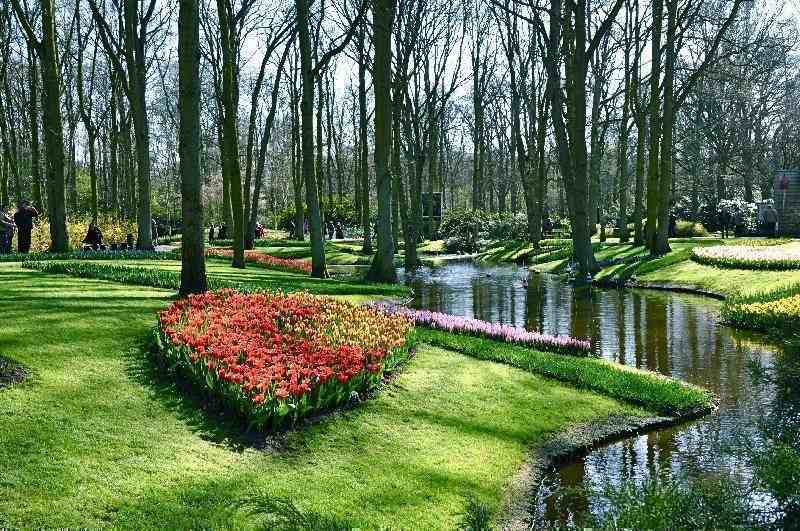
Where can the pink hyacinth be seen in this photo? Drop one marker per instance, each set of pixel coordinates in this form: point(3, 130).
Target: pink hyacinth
point(500, 332)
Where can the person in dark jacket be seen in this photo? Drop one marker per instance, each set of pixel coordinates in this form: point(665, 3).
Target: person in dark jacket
point(23, 218)
point(94, 237)
point(770, 221)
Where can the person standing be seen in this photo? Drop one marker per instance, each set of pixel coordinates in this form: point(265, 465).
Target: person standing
point(23, 218)
point(6, 231)
point(770, 221)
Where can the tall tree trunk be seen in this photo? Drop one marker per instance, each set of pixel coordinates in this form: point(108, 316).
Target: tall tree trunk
point(33, 115)
point(230, 133)
point(193, 265)
point(363, 142)
point(318, 266)
point(53, 130)
point(665, 178)
point(113, 155)
point(655, 128)
point(297, 173)
point(382, 268)
point(137, 72)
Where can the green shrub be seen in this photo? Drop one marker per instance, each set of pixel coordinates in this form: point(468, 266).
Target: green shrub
point(476, 516)
point(115, 230)
point(281, 514)
point(689, 229)
point(665, 395)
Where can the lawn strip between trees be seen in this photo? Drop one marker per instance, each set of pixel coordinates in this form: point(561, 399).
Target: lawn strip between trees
point(653, 391)
point(158, 275)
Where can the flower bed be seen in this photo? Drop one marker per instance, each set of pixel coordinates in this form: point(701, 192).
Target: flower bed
point(774, 257)
point(780, 314)
point(275, 358)
point(264, 260)
point(501, 332)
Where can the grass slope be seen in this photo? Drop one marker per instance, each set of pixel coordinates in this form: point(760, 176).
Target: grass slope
point(654, 391)
point(90, 440)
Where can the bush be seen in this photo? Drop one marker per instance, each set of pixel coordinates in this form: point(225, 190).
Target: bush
point(115, 230)
point(689, 229)
point(460, 229)
point(275, 359)
point(505, 226)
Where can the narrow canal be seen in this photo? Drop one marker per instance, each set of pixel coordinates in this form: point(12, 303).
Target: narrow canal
point(678, 335)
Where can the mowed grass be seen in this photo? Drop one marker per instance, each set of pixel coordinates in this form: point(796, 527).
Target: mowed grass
point(676, 268)
point(96, 439)
point(264, 278)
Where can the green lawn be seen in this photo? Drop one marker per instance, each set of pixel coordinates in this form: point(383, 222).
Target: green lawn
point(287, 281)
point(338, 252)
point(96, 439)
point(676, 268)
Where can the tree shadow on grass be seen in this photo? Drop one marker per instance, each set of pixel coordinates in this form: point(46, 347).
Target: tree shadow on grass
point(210, 418)
point(206, 417)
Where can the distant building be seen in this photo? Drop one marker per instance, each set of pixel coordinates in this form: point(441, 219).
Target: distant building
point(786, 194)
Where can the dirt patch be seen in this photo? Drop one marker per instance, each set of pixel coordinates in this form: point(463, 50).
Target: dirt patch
point(11, 373)
point(575, 441)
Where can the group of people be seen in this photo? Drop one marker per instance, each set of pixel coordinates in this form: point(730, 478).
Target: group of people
point(21, 223)
point(221, 232)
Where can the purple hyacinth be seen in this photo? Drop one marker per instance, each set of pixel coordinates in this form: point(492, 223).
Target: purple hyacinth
point(501, 332)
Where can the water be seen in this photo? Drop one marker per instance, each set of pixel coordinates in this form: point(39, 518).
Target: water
point(678, 335)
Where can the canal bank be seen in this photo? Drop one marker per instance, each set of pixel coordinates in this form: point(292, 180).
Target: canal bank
point(674, 334)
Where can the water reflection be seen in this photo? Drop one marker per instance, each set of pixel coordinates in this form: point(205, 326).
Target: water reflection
point(674, 334)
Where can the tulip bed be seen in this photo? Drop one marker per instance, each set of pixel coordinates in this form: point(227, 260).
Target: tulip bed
point(768, 312)
point(501, 332)
point(264, 260)
point(274, 359)
point(773, 257)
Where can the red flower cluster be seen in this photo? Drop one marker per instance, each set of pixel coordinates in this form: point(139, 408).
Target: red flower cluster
point(276, 358)
point(265, 260)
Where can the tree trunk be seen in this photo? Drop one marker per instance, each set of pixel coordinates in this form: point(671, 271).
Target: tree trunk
point(655, 129)
point(33, 115)
point(318, 265)
point(382, 269)
point(53, 131)
point(137, 72)
point(113, 150)
point(193, 265)
point(665, 177)
point(297, 174)
point(363, 143)
point(230, 133)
